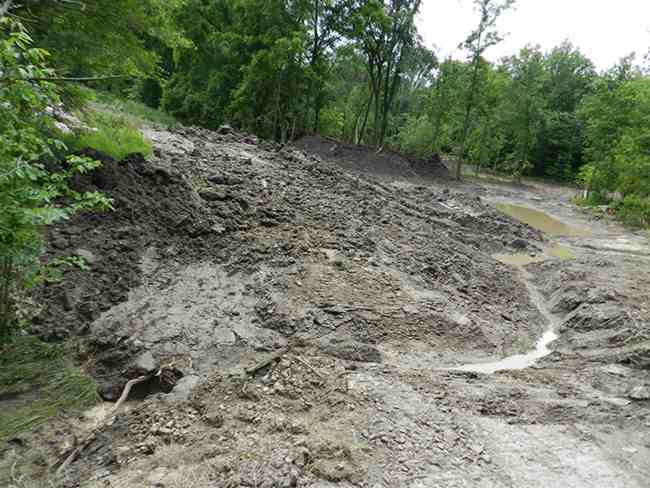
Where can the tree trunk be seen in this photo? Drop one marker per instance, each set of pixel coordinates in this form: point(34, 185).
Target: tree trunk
point(362, 132)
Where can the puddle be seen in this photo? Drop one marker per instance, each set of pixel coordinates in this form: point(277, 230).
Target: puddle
point(541, 221)
point(559, 252)
point(526, 360)
point(518, 361)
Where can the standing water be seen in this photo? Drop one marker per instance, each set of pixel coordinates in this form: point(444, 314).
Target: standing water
point(552, 226)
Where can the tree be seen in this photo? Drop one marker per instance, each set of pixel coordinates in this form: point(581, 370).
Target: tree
point(384, 32)
point(322, 27)
point(526, 105)
point(446, 95)
point(484, 37)
point(570, 77)
point(98, 37)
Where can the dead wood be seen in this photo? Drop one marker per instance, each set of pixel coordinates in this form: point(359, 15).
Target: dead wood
point(111, 416)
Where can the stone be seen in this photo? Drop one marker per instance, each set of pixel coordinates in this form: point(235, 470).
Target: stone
point(182, 389)
point(86, 255)
point(640, 393)
point(210, 195)
point(224, 130)
point(519, 244)
point(214, 418)
point(146, 363)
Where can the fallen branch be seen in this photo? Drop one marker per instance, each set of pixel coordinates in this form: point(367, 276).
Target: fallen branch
point(113, 413)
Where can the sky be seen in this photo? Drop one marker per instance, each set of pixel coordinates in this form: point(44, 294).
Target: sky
point(604, 30)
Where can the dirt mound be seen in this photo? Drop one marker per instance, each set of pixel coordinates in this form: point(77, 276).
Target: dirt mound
point(367, 160)
point(314, 314)
point(152, 207)
point(222, 245)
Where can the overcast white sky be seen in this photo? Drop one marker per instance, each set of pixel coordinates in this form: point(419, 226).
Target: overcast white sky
point(605, 30)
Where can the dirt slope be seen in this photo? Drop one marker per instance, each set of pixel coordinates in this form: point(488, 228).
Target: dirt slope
point(370, 162)
point(225, 252)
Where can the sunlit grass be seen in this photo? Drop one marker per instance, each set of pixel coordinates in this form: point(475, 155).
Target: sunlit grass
point(138, 113)
point(109, 133)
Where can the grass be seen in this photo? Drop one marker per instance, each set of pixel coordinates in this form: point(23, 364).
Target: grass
point(112, 134)
point(138, 113)
point(39, 381)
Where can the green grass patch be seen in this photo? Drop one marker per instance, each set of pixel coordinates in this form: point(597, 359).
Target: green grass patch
point(37, 381)
point(139, 113)
point(112, 134)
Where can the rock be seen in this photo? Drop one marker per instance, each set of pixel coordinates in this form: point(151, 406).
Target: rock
point(59, 242)
point(182, 390)
point(109, 391)
point(210, 195)
point(219, 179)
point(214, 418)
point(640, 393)
point(519, 244)
point(145, 363)
point(86, 255)
point(71, 298)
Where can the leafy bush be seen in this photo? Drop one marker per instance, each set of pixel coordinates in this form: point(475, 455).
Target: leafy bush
point(31, 195)
point(634, 210)
point(617, 130)
point(110, 134)
point(414, 137)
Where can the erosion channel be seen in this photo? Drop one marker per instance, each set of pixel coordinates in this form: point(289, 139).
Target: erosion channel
point(341, 324)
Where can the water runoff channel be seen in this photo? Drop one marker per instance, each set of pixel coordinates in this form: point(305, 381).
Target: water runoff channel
point(553, 227)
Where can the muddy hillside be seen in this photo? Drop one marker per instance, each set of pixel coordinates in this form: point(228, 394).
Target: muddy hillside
point(322, 314)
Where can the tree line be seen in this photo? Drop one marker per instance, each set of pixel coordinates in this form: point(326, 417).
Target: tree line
point(357, 70)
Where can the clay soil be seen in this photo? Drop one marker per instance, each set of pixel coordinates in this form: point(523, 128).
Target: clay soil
point(316, 302)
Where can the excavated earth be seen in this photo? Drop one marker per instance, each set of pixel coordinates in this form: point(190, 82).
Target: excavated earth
point(314, 311)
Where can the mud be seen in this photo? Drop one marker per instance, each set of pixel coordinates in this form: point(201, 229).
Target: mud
point(359, 293)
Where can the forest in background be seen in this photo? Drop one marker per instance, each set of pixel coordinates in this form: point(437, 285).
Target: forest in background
point(358, 71)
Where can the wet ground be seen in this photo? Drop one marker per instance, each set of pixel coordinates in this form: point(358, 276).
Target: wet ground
point(410, 332)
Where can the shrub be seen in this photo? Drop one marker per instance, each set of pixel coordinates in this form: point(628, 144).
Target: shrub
point(31, 196)
point(634, 210)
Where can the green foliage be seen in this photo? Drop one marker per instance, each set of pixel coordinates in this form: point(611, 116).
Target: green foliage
point(31, 196)
point(525, 106)
point(617, 127)
point(109, 133)
point(102, 36)
point(634, 210)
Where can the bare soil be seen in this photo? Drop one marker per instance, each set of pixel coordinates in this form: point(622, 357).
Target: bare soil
point(316, 310)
